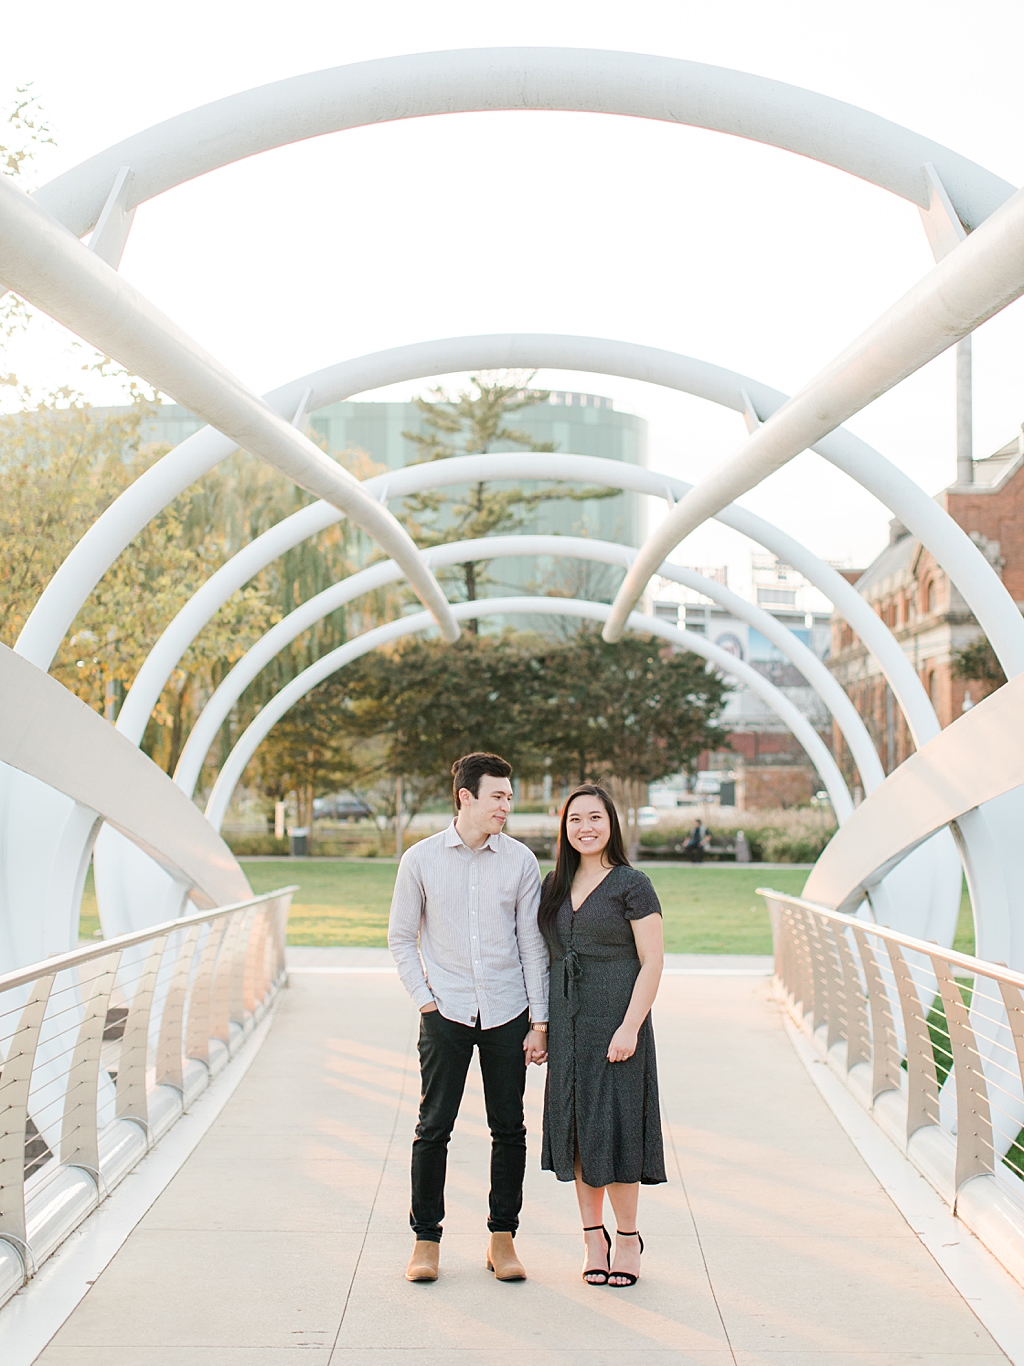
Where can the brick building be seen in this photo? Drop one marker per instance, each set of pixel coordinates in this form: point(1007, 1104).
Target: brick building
point(925, 612)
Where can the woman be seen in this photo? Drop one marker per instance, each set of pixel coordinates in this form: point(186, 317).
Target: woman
point(602, 1126)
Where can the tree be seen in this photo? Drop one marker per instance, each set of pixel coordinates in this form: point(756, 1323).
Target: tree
point(471, 422)
point(432, 702)
point(231, 506)
point(977, 663)
point(305, 753)
point(629, 713)
point(62, 463)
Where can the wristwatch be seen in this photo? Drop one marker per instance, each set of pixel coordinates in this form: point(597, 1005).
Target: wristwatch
point(542, 1028)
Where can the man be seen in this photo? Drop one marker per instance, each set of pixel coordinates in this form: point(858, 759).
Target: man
point(479, 977)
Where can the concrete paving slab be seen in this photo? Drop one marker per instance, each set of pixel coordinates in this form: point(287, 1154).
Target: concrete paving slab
point(323, 1140)
point(286, 1233)
point(309, 1195)
point(531, 1356)
point(731, 1192)
point(671, 1307)
point(864, 1359)
point(202, 1289)
point(186, 1356)
point(833, 1294)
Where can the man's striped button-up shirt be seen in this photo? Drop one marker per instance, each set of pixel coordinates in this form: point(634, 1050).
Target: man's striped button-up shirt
point(463, 929)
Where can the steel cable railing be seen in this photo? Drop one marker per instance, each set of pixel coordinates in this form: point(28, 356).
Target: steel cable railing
point(102, 1049)
point(932, 1043)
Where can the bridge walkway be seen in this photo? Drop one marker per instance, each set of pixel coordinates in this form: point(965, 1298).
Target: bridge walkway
point(284, 1237)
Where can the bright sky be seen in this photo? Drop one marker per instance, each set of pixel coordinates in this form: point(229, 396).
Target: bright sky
point(737, 253)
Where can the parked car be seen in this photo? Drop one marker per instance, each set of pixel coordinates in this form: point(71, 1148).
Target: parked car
point(646, 817)
point(341, 808)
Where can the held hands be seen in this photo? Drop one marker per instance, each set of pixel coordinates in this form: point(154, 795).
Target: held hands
point(623, 1044)
point(535, 1046)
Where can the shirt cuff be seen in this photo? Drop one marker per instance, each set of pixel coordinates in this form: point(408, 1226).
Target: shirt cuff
point(422, 996)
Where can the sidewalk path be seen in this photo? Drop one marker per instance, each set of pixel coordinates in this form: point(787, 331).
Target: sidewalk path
point(284, 1237)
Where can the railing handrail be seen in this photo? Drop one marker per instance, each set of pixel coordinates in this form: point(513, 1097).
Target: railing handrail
point(999, 972)
point(60, 961)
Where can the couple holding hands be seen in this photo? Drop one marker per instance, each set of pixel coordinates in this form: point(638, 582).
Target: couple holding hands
point(478, 939)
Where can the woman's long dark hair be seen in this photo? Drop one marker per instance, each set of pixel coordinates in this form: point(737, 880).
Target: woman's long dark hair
point(558, 884)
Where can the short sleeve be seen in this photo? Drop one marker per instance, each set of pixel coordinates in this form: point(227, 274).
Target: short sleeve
point(639, 897)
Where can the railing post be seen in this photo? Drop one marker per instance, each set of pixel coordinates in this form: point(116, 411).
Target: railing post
point(833, 981)
point(197, 1042)
point(133, 1064)
point(789, 966)
point(858, 1033)
point(1013, 1003)
point(255, 985)
point(221, 993)
point(15, 1084)
point(79, 1136)
point(886, 1073)
point(819, 977)
point(922, 1081)
point(974, 1148)
point(804, 966)
point(170, 1047)
point(280, 913)
point(237, 962)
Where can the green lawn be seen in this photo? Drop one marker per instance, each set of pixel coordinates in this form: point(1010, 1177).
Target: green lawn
point(708, 909)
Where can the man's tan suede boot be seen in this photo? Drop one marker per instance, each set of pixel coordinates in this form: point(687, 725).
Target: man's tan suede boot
point(423, 1262)
point(502, 1259)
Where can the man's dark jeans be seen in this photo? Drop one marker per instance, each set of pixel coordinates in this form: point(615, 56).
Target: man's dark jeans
point(446, 1049)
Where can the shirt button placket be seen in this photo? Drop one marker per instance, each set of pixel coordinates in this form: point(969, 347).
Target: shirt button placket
point(474, 922)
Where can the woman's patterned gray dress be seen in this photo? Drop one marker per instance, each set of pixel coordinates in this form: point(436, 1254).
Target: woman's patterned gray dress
point(609, 1109)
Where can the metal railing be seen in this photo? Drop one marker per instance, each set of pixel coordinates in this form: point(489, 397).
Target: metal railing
point(102, 1049)
point(932, 1043)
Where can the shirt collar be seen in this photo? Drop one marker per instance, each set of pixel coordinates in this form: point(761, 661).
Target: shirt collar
point(453, 840)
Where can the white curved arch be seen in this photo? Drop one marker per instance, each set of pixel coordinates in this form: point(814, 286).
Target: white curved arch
point(582, 80)
point(973, 576)
point(263, 722)
point(975, 281)
point(151, 679)
point(44, 263)
point(48, 732)
point(213, 715)
point(976, 759)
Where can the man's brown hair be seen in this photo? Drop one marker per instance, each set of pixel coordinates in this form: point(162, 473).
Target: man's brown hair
point(467, 772)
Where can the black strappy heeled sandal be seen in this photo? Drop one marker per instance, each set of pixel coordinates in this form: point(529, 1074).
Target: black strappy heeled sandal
point(598, 1270)
point(627, 1277)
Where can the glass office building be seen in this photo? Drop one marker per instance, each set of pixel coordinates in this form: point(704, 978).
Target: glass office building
point(577, 424)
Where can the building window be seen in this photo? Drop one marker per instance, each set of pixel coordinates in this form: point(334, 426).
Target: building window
point(930, 599)
point(933, 689)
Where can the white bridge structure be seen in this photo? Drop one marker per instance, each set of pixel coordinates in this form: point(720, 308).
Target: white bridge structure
point(103, 1048)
